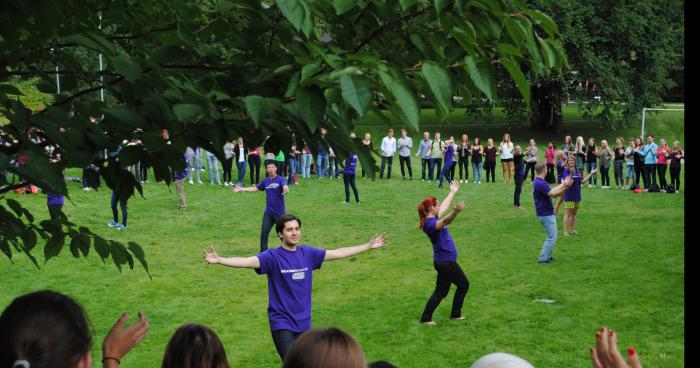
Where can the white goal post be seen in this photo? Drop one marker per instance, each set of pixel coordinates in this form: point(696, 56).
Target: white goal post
point(644, 114)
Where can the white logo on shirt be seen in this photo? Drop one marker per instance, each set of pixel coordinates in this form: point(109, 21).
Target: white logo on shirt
point(298, 276)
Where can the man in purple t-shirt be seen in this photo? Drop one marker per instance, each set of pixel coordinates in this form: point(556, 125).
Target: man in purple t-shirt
point(289, 273)
point(275, 188)
point(543, 194)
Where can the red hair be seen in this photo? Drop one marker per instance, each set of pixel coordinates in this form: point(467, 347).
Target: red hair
point(424, 208)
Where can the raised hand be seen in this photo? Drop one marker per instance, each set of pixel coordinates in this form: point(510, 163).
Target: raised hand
point(606, 355)
point(119, 341)
point(378, 241)
point(459, 206)
point(211, 257)
point(454, 186)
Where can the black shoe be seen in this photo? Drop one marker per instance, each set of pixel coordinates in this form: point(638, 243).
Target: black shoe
point(544, 262)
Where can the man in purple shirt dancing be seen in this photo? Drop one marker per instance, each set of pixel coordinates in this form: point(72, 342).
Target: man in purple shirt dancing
point(276, 189)
point(544, 210)
point(289, 273)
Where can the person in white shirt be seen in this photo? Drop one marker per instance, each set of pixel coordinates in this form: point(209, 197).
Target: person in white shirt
point(405, 144)
point(388, 149)
point(506, 151)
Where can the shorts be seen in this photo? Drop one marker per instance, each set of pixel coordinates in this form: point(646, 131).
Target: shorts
point(506, 160)
point(572, 205)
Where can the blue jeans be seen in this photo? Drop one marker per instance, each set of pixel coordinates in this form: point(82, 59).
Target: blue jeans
point(241, 165)
point(122, 204)
point(269, 221)
point(432, 164)
point(550, 227)
point(306, 160)
point(333, 167)
point(293, 168)
point(321, 162)
point(630, 173)
point(194, 166)
point(425, 162)
point(589, 167)
point(445, 173)
point(213, 163)
point(476, 169)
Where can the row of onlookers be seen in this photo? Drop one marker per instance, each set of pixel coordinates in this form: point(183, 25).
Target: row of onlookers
point(47, 329)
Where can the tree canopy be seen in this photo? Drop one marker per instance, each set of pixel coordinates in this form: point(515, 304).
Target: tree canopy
point(198, 73)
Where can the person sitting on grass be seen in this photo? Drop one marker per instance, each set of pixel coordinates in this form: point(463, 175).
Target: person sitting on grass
point(46, 329)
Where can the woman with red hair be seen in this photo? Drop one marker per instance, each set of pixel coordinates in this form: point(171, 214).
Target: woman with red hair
point(434, 223)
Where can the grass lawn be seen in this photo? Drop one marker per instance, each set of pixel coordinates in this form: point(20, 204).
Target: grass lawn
point(625, 270)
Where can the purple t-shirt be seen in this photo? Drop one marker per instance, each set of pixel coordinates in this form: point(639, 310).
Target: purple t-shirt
point(53, 199)
point(350, 164)
point(543, 202)
point(443, 246)
point(289, 285)
point(449, 155)
point(574, 191)
point(273, 187)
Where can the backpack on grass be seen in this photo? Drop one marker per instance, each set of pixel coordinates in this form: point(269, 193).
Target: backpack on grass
point(654, 188)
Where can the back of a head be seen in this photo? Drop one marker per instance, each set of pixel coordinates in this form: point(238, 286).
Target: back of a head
point(325, 348)
point(195, 346)
point(501, 360)
point(44, 328)
point(380, 364)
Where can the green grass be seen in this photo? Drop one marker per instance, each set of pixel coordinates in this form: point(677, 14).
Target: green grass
point(625, 270)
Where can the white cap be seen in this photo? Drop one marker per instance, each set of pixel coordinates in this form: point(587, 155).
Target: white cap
point(501, 360)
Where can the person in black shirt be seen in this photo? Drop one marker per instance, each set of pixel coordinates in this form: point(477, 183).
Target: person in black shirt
point(463, 151)
point(592, 160)
point(619, 163)
point(519, 165)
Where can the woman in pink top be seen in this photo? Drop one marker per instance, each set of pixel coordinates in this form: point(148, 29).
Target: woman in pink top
point(661, 163)
point(549, 153)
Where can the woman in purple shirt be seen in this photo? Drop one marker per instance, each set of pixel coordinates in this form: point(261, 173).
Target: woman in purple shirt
point(449, 159)
point(289, 277)
point(434, 223)
point(349, 177)
point(572, 196)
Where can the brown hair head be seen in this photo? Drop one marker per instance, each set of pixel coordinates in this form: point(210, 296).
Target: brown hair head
point(194, 346)
point(325, 348)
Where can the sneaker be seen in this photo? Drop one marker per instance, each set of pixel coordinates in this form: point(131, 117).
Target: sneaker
point(191, 182)
point(460, 318)
point(461, 181)
point(574, 232)
point(479, 182)
point(120, 227)
point(544, 262)
point(200, 182)
point(113, 224)
point(466, 182)
point(411, 178)
point(429, 323)
point(420, 180)
point(590, 185)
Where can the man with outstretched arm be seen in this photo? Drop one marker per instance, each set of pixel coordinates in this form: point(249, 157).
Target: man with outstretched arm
point(276, 189)
point(544, 210)
point(289, 273)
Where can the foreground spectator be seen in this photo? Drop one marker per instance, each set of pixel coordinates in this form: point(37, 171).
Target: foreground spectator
point(325, 348)
point(501, 360)
point(195, 346)
point(49, 329)
point(606, 355)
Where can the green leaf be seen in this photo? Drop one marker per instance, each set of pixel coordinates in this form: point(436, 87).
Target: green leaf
point(4, 161)
point(343, 6)
point(126, 116)
point(75, 246)
point(407, 4)
point(356, 92)
point(440, 83)
point(130, 70)
point(293, 10)
point(446, 22)
point(312, 105)
point(41, 173)
point(53, 246)
point(308, 71)
point(518, 77)
point(545, 21)
point(482, 74)
point(441, 5)
point(517, 34)
point(549, 56)
point(9, 89)
point(187, 113)
point(102, 247)
point(405, 99)
point(259, 107)
point(137, 251)
point(15, 206)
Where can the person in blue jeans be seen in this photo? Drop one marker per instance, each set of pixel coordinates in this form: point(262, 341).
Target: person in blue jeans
point(276, 189)
point(649, 154)
point(477, 162)
point(544, 209)
point(322, 157)
point(240, 152)
point(289, 270)
point(213, 167)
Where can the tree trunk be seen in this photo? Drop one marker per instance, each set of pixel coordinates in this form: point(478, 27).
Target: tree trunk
point(545, 104)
